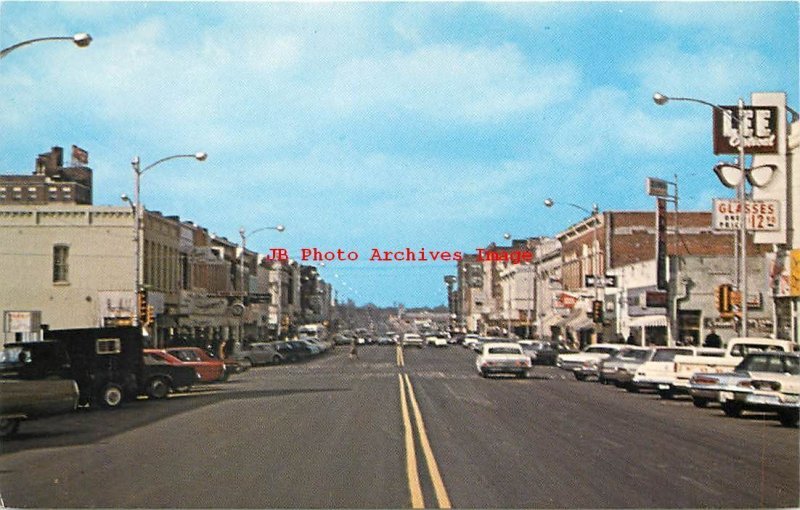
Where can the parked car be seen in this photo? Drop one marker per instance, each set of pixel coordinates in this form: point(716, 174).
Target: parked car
point(767, 381)
point(260, 353)
point(584, 364)
point(470, 340)
point(659, 373)
point(27, 400)
point(735, 351)
point(502, 357)
point(293, 350)
point(547, 352)
point(385, 340)
point(412, 340)
point(620, 368)
point(209, 369)
point(164, 373)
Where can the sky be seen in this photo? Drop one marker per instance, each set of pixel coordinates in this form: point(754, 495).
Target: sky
point(388, 125)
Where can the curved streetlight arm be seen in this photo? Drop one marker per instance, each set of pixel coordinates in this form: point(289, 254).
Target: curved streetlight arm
point(82, 40)
point(243, 233)
point(661, 99)
point(199, 156)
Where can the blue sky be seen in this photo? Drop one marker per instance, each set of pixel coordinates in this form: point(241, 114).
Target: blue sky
point(388, 125)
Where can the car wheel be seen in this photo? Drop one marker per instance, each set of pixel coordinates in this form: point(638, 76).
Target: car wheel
point(732, 409)
point(225, 375)
point(580, 377)
point(157, 388)
point(789, 418)
point(276, 359)
point(523, 375)
point(111, 395)
point(632, 388)
point(247, 364)
point(666, 394)
point(8, 427)
point(482, 372)
point(700, 402)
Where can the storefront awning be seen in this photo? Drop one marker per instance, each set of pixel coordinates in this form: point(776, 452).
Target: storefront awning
point(648, 321)
point(576, 320)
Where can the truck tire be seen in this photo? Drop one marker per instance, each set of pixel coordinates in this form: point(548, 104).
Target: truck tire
point(157, 388)
point(732, 409)
point(700, 402)
point(580, 377)
point(111, 395)
point(8, 427)
point(666, 394)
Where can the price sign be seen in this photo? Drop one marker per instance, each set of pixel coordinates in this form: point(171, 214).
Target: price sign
point(760, 215)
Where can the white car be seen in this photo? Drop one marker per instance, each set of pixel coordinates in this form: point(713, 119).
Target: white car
point(470, 340)
point(412, 339)
point(503, 357)
point(586, 363)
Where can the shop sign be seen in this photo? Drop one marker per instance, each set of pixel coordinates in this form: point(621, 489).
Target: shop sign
point(761, 215)
point(116, 304)
point(22, 321)
point(757, 131)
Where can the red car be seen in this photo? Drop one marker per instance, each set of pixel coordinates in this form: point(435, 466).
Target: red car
point(209, 369)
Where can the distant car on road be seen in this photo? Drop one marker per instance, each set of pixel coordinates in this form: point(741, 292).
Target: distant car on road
point(412, 340)
point(503, 357)
point(620, 368)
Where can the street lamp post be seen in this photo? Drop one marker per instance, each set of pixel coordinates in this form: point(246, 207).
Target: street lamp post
point(280, 228)
point(81, 40)
point(137, 206)
point(661, 99)
point(549, 202)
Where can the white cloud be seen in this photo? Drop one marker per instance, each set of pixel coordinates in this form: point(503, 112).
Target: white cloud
point(448, 82)
point(718, 74)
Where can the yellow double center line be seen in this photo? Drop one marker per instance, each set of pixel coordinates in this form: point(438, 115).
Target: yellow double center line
point(414, 487)
point(400, 361)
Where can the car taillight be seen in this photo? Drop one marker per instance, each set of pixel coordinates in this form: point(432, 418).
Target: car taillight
point(704, 379)
point(744, 384)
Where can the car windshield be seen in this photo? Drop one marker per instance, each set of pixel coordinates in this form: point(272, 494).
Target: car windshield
point(669, 354)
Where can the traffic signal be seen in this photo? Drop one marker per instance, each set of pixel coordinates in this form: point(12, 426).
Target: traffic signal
point(723, 299)
point(142, 306)
point(149, 315)
point(597, 311)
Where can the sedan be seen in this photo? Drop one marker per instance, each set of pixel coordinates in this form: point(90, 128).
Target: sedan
point(208, 369)
point(765, 381)
point(503, 357)
point(259, 353)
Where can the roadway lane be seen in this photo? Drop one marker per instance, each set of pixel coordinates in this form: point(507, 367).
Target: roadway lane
point(310, 435)
point(331, 433)
point(551, 441)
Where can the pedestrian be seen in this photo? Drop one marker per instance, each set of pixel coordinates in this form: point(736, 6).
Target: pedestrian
point(631, 339)
point(353, 348)
point(713, 339)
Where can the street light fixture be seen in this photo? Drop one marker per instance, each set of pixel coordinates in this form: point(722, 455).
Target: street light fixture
point(725, 177)
point(280, 228)
point(137, 207)
point(549, 202)
point(81, 40)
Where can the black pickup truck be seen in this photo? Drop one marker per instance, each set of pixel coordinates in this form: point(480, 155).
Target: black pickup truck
point(107, 364)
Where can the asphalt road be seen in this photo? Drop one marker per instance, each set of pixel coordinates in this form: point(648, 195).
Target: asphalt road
point(390, 432)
